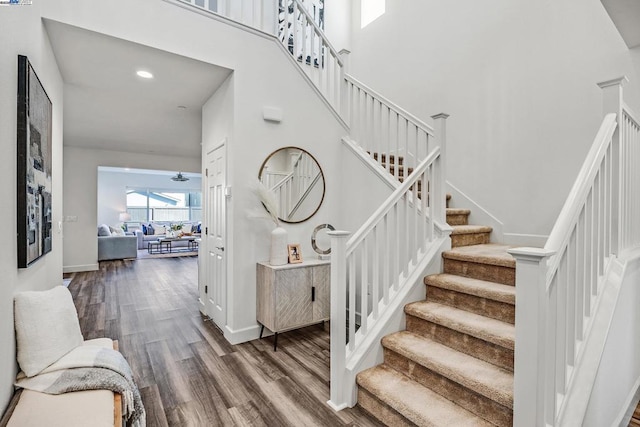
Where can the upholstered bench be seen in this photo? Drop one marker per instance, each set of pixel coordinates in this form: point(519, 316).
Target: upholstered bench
point(63, 379)
point(76, 409)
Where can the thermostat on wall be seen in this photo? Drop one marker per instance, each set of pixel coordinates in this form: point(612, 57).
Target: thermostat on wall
point(272, 114)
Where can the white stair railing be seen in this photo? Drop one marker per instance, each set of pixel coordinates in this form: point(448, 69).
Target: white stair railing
point(558, 288)
point(259, 14)
point(381, 127)
point(305, 40)
point(378, 262)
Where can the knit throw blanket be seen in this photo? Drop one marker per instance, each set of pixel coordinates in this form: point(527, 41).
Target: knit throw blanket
point(91, 368)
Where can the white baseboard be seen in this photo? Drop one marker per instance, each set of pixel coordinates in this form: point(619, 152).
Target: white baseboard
point(78, 268)
point(529, 240)
point(622, 420)
point(242, 335)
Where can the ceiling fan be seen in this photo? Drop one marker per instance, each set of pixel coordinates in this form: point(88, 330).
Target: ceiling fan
point(179, 178)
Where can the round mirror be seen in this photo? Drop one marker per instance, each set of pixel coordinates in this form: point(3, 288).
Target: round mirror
point(295, 178)
point(320, 240)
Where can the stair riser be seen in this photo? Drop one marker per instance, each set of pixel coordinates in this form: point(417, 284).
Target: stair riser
point(483, 350)
point(380, 410)
point(472, 303)
point(457, 219)
point(470, 239)
point(488, 272)
point(468, 399)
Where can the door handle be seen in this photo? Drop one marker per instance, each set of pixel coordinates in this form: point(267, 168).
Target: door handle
point(220, 248)
point(313, 293)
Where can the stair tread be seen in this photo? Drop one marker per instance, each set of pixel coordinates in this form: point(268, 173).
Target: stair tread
point(456, 211)
point(470, 229)
point(484, 328)
point(490, 253)
point(415, 402)
point(482, 377)
point(476, 287)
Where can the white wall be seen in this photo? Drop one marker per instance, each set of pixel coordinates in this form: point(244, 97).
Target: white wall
point(23, 34)
point(112, 191)
point(81, 196)
point(263, 76)
point(619, 371)
point(519, 81)
point(337, 23)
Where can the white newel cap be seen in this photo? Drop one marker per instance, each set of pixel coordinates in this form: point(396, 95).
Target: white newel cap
point(440, 116)
point(613, 82)
point(531, 253)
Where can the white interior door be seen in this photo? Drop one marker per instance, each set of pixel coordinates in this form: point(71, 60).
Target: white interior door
point(216, 289)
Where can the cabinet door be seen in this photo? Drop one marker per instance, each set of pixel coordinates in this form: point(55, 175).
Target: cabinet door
point(293, 298)
point(322, 283)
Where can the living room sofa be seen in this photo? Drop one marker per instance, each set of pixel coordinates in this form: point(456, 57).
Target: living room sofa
point(144, 239)
point(113, 243)
point(117, 247)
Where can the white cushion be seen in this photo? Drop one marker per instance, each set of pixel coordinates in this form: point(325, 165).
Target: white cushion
point(159, 229)
point(80, 408)
point(104, 231)
point(47, 328)
point(117, 231)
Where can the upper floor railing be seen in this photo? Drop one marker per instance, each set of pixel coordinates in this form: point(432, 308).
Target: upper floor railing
point(392, 136)
point(562, 284)
point(301, 34)
point(259, 14)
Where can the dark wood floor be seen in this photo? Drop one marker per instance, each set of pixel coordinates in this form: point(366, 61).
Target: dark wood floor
point(188, 374)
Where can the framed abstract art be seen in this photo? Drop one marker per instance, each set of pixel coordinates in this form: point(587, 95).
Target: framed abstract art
point(34, 134)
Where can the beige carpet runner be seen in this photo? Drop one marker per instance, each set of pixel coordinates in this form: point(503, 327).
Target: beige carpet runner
point(453, 365)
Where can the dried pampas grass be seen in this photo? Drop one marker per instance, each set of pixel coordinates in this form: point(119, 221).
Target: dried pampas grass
point(268, 200)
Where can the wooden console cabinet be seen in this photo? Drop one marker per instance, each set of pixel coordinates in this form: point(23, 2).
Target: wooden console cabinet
point(291, 296)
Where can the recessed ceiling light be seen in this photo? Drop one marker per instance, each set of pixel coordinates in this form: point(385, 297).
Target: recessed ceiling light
point(144, 74)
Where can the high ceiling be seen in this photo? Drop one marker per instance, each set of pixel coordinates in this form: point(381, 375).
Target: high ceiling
point(107, 106)
point(625, 14)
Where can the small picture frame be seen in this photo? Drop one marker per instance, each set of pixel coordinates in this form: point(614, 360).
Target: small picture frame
point(295, 255)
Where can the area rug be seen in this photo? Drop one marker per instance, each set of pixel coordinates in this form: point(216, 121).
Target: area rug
point(144, 254)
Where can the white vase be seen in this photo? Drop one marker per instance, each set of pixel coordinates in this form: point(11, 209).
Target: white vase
point(278, 254)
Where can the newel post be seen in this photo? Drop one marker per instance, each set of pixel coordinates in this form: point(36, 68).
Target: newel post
point(612, 103)
point(530, 352)
point(440, 190)
point(339, 399)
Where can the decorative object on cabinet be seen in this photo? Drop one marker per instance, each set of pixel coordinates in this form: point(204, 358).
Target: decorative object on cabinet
point(292, 296)
point(320, 235)
point(278, 251)
point(296, 180)
point(34, 133)
point(295, 254)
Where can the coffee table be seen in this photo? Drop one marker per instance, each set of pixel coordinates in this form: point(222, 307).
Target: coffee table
point(164, 245)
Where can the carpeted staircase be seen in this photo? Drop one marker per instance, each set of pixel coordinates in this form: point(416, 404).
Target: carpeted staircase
point(453, 365)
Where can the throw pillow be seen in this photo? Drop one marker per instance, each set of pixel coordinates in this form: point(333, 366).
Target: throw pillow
point(47, 328)
point(103, 230)
point(118, 232)
point(150, 230)
point(144, 229)
point(159, 229)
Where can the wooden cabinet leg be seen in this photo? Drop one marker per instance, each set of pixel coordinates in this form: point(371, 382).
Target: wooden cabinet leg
point(275, 342)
